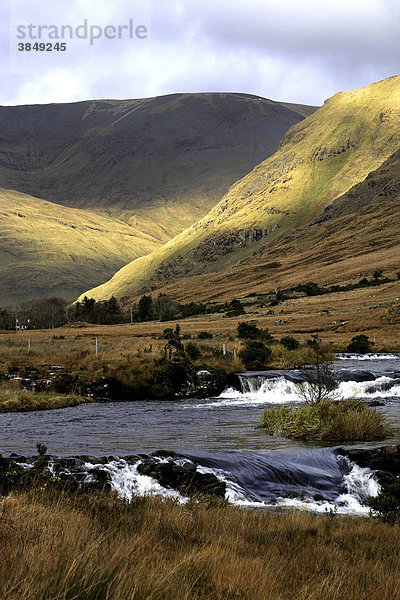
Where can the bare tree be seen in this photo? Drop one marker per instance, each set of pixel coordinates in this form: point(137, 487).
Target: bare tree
point(319, 377)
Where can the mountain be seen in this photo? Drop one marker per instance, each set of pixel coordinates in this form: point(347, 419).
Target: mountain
point(352, 238)
point(102, 182)
point(158, 163)
point(319, 160)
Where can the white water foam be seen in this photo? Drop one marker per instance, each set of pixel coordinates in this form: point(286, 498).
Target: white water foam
point(128, 482)
point(259, 391)
point(369, 356)
point(382, 387)
point(358, 486)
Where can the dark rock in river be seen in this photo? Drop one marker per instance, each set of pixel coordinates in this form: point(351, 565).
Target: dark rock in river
point(358, 376)
point(182, 477)
point(384, 459)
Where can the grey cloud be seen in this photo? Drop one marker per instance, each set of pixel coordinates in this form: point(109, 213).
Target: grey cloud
point(294, 50)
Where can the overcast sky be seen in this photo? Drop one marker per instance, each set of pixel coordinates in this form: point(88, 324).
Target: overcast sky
point(293, 50)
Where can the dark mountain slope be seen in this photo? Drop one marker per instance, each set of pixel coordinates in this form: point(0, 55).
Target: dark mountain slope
point(160, 163)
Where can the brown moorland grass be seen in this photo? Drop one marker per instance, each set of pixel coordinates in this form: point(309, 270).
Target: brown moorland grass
point(98, 548)
point(360, 311)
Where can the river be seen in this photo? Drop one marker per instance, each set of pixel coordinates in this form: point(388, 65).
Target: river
point(221, 435)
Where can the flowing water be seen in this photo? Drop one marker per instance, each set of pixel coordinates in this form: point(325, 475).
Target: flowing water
point(220, 435)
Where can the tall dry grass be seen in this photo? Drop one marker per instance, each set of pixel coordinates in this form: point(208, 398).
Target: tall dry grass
point(62, 548)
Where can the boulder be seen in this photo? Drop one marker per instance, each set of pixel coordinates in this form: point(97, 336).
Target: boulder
point(183, 477)
point(384, 458)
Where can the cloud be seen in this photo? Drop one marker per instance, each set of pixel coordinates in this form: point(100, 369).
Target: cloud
point(294, 50)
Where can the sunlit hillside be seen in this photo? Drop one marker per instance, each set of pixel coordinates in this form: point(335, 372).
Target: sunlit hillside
point(48, 249)
point(319, 160)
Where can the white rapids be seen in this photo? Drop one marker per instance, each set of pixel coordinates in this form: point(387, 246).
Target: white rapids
point(262, 391)
point(356, 488)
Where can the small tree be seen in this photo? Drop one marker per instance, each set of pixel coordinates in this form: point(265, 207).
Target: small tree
point(359, 344)
point(145, 308)
point(319, 377)
point(255, 355)
point(174, 343)
point(165, 309)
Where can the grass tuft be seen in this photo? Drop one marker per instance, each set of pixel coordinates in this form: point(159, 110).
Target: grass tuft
point(347, 420)
point(13, 399)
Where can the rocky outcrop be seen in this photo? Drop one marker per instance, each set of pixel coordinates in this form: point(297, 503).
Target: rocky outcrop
point(89, 474)
point(384, 461)
point(182, 476)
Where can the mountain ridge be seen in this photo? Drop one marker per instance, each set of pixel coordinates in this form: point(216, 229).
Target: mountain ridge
point(147, 168)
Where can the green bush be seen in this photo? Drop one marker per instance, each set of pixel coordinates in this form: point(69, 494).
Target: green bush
point(386, 505)
point(250, 331)
point(192, 351)
point(359, 344)
point(347, 420)
point(255, 356)
point(247, 331)
point(290, 342)
point(205, 335)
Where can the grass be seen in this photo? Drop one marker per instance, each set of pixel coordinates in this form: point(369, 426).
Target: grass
point(124, 347)
point(13, 399)
point(57, 547)
point(346, 420)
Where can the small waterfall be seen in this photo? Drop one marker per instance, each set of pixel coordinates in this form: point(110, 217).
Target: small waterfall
point(283, 387)
point(369, 356)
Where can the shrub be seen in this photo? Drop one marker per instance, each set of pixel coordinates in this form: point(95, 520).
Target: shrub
point(386, 505)
point(65, 383)
point(205, 335)
point(255, 355)
point(192, 351)
point(168, 333)
point(290, 342)
point(359, 344)
point(235, 308)
point(347, 420)
point(250, 331)
point(247, 331)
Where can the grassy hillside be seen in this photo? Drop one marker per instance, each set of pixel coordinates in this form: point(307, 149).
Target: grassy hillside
point(319, 160)
point(158, 163)
point(48, 249)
